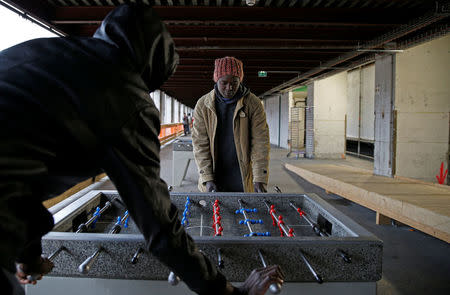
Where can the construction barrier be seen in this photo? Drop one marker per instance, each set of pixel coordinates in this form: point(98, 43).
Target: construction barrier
point(170, 131)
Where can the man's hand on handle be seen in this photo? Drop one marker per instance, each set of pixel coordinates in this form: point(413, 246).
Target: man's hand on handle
point(258, 282)
point(29, 273)
point(260, 279)
point(259, 187)
point(211, 186)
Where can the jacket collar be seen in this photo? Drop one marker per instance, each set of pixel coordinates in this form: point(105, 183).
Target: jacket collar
point(210, 97)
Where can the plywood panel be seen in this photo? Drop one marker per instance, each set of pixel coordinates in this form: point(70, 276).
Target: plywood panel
point(284, 120)
point(309, 116)
point(272, 113)
point(423, 104)
point(421, 160)
point(367, 102)
point(423, 77)
point(383, 151)
point(353, 91)
point(425, 207)
point(330, 95)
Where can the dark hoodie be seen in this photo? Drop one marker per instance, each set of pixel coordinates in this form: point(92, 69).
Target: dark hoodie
point(72, 106)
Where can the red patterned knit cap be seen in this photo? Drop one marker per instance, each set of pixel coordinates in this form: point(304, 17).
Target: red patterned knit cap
point(228, 65)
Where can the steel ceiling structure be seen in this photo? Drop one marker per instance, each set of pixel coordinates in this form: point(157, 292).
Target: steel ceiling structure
point(295, 41)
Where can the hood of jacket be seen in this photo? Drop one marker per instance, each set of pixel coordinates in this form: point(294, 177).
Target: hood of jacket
point(139, 33)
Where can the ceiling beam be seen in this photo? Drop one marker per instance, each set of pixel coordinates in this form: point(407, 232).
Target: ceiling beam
point(243, 31)
point(261, 14)
point(241, 23)
point(250, 60)
point(210, 67)
point(282, 32)
point(250, 54)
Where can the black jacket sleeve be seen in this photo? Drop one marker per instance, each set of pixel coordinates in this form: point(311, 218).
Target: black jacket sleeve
point(132, 163)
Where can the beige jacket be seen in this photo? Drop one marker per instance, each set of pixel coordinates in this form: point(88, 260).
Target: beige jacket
point(251, 137)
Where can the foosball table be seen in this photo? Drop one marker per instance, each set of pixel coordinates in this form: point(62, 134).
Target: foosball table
point(317, 247)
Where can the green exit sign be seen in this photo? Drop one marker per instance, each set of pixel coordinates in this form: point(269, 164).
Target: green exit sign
point(262, 74)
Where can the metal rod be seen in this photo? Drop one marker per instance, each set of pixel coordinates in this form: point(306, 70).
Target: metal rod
point(314, 226)
point(217, 225)
point(262, 259)
point(216, 215)
point(277, 189)
point(220, 262)
point(85, 267)
point(124, 218)
point(274, 288)
point(345, 256)
point(84, 226)
point(219, 259)
point(304, 214)
point(201, 225)
point(311, 269)
point(285, 228)
point(136, 255)
point(116, 228)
point(55, 253)
point(245, 216)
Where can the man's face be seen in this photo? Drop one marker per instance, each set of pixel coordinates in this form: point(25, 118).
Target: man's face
point(228, 85)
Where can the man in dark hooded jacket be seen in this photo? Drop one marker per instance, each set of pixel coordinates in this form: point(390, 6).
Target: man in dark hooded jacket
point(72, 106)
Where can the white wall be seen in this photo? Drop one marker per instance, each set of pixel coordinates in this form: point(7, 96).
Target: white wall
point(284, 120)
point(277, 115)
point(181, 114)
point(176, 111)
point(361, 88)
point(422, 102)
point(271, 105)
point(167, 109)
point(156, 97)
point(353, 90)
point(367, 102)
point(330, 101)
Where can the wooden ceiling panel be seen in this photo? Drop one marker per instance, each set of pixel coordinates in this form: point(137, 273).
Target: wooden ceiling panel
point(294, 41)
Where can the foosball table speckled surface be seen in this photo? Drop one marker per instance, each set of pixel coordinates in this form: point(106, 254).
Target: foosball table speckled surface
point(311, 241)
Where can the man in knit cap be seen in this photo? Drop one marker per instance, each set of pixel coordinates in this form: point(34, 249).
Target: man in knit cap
point(230, 134)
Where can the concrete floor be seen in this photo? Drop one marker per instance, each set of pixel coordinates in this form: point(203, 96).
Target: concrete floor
point(413, 262)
